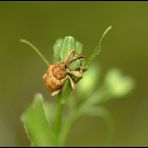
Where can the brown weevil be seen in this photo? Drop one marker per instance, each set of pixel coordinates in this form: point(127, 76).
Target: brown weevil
point(57, 74)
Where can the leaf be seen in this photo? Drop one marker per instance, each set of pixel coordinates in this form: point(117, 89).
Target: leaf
point(79, 47)
point(57, 49)
point(67, 45)
point(97, 50)
point(76, 64)
point(36, 50)
point(36, 124)
point(63, 46)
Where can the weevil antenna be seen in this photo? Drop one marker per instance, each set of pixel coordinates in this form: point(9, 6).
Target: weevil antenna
point(81, 57)
point(71, 55)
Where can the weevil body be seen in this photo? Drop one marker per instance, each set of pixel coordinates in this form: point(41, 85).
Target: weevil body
point(58, 73)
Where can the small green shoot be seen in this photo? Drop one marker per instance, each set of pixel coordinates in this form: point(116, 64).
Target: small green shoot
point(45, 127)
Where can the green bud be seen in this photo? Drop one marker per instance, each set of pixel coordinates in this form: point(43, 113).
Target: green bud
point(117, 84)
point(76, 64)
point(62, 47)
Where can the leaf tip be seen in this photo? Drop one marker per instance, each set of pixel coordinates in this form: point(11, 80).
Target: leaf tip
point(110, 27)
point(22, 118)
point(38, 97)
point(22, 40)
point(106, 31)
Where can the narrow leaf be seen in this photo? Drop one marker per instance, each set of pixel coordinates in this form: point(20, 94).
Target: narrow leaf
point(97, 50)
point(57, 49)
point(67, 45)
point(36, 50)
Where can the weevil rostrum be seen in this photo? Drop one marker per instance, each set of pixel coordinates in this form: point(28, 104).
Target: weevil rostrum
point(57, 74)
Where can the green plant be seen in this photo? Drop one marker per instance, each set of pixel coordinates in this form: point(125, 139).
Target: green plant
point(47, 124)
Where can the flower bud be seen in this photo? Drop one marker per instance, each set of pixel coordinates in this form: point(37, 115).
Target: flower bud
point(117, 84)
point(63, 46)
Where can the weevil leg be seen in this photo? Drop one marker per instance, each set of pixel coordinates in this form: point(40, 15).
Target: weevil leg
point(71, 54)
point(44, 76)
point(73, 51)
point(73, 84)
point(55, 92)
point(76, 73)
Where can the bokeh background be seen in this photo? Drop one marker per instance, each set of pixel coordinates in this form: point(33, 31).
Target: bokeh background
point(21, 70)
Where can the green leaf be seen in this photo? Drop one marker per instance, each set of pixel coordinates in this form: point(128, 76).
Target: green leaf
point(36, 50)
point(57, 49)
point(63, 46)
point(79, 47)
point(67, 45)
point(36, 124)
point(97, 50)
point(76, 64)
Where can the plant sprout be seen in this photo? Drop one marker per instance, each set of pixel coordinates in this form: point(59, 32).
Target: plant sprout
point(47, 127)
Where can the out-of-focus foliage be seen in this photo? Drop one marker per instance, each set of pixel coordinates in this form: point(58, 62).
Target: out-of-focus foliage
point(117, 84)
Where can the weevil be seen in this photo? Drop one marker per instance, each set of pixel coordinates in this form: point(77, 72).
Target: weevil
point(57, 74)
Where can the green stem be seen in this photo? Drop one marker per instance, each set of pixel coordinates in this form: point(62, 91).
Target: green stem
point(61, 100)
point(58, 119)
point(79, 111)
point(94, 111)
point(36, 50)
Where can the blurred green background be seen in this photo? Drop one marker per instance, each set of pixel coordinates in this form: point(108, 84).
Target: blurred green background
point(21, 70)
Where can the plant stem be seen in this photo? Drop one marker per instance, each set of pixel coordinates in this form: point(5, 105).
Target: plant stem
point(58, 119)
point(61, 100)
point(94, 111)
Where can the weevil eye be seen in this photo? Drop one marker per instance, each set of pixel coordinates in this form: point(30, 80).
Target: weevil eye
point(65, 66)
